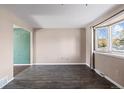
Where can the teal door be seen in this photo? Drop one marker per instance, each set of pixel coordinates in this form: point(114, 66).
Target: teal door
point(21, 46)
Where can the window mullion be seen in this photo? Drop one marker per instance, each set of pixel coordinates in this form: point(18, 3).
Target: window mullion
point(110, 39)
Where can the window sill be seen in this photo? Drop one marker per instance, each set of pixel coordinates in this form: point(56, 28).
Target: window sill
point(117, 55)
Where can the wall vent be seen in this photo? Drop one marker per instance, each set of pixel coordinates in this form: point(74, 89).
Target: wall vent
point(102, 74)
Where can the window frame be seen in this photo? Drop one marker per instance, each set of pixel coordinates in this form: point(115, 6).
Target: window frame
point(96, 41)
point(116, 51)
point(109, 46)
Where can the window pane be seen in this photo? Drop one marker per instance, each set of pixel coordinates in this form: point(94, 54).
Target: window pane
point(118, 36)
point(102, 38)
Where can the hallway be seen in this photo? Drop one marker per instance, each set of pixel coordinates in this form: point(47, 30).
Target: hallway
point(59, 77)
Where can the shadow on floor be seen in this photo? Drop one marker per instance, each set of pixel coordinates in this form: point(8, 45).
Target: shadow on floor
point(18, 69)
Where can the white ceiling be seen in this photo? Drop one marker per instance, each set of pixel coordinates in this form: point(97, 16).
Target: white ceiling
point(59, 16)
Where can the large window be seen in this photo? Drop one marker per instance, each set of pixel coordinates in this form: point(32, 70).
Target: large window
point(110, 38)
point(118, 36)
point(102, 38)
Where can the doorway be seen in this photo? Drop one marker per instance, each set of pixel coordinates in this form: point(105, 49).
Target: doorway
point(21, 49)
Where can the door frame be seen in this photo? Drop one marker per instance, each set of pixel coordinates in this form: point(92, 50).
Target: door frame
point(31, 45)
point(92, 48)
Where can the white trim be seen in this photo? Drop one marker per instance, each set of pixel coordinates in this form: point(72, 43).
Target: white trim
point(98, 72)
point(110, 38)
point(91, 48)
point(21, 64)
point(31, 47)
point(59, 64)
point(87, 64)
point(109, 79)
point(117, 55)
point(7, 82)
point(118, 85)
point(53, 64)
point(17, 26)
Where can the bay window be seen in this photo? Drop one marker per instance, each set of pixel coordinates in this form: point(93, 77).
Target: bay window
point(118, 37)
point(110, 38)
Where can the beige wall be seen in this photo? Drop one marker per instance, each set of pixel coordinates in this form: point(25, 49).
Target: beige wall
point(113, 67)
point(83, 44)
point(89, 31)
point(7, 20)
point(88, 45)
point(59, 46)
point(104, 63)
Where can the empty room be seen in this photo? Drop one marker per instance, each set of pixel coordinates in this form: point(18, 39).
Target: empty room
point(62, 46)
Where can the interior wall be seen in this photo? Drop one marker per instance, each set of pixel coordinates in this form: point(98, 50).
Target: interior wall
point(113, 67)
point(59, 46)
point(83, 44)
point(88, 45)
point(99, 60)
point(7, 19)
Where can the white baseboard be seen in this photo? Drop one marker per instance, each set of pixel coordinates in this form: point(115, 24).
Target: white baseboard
point(118, 85)
point(21, 64)
point(59, 64)
point(109, 79)
point(98, 72)
point(51, 64)
point(6, 82)
point(87, 64)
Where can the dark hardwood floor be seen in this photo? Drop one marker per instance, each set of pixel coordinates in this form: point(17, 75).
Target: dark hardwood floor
point(18, 69)
point(59, 77)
